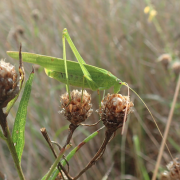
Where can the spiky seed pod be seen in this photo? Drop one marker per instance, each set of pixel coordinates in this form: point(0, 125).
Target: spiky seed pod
point(9, 87)
point(174, 169)
point(76, 111)
point(176, 67)
point(113, 109)
point(165, 59)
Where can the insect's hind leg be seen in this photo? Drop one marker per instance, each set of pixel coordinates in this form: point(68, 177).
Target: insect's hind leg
point(87, 75)
point(99, 98)
point(65, 66)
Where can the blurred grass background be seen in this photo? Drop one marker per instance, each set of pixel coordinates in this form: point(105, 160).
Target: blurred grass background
point(111, 34)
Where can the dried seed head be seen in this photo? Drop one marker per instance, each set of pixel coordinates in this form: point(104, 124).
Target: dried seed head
point(36, 14)
point(20, 30)
point(165, 59)
point(113, 109)
point(176, 67)
point(76, 111)
point(165, 176)
point(9, 87)
point(174, 169)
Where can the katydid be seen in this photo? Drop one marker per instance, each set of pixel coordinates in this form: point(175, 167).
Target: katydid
point(76, 74)
point(94, 78)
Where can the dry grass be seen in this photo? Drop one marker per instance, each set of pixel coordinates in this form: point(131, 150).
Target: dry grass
point(116, 36)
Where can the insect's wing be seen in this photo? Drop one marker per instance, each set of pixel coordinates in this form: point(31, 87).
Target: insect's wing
point(27, 57)
point(44, 61)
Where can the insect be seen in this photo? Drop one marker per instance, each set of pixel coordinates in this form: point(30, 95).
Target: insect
point(72, 73)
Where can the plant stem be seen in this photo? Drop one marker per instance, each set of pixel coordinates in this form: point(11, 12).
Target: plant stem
point(97, 155)
point(55, 163)
point(14, 155)
point(4, 125)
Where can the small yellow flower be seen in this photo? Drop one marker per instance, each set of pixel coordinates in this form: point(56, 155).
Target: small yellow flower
point(146, 9)
point(152, 14)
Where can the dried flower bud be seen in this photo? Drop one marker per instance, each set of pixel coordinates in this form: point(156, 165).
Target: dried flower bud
point(76, 111)
point(165, 59)
point(176, 67)
point(9, 87)
point(174, 169)
point(113, 109)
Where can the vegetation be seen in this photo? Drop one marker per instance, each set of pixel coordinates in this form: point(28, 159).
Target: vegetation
point(127, 38)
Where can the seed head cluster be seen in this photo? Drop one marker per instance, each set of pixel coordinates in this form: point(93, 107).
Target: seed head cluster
point(113, 109)
point(76, 111)
point(9, 87)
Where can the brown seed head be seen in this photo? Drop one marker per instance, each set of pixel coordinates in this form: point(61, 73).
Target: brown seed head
point(76, 111)
point(174, 169)
point(165, 59)
point(176, 67)
point(113, 109)
point(9, 87)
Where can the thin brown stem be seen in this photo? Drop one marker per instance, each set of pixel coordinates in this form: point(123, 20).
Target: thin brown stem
point(167, 129)
point(72, 128)
point(48, 140)
point(97, 155)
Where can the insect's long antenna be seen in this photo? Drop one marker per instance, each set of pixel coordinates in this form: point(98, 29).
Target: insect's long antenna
point(125, 114)
point(125, 84)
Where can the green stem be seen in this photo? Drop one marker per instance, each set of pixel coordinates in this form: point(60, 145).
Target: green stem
point(14, 155)
point(5, 128)
point(55, 163)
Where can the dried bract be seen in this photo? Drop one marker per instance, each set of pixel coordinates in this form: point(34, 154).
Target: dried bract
point(76, 111)
point(9, 87)
point(113, 109)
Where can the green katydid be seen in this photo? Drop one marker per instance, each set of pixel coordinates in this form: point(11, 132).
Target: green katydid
point(78, 73)
point(69, 72)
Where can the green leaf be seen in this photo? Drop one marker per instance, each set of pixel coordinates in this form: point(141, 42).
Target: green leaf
point(20, 121)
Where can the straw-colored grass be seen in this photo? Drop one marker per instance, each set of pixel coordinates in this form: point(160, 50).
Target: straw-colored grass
point(114, 35)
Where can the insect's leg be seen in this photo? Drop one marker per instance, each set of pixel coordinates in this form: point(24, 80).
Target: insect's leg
point(82, 90)
point(65, 65)
point(104, 94)
point(99, 98)
point(91, 83)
